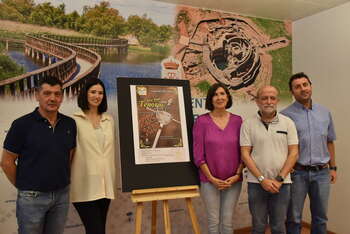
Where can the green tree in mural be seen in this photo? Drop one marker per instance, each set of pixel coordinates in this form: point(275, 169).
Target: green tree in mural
point(47, 15)
point(135, 25)
point(101, 20)
point(16, 10)
point(148, 36)
point(71, 21)
point(24, 7)
point(8, 67)
point(10, 13)
point(147, 32)
point(165, 33)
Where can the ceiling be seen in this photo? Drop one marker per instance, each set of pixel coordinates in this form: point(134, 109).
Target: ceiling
point(271, 9)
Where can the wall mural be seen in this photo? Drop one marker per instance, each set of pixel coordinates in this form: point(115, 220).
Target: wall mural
point(232, 48)
point(76, 40)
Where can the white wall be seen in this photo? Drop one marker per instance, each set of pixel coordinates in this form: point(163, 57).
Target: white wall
point(321, 48)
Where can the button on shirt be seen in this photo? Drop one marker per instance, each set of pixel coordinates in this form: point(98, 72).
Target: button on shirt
point(43, 151)
point(269, 145)
point(315, 128)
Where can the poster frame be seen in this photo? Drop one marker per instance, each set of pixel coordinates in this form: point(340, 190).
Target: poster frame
point(158, 175)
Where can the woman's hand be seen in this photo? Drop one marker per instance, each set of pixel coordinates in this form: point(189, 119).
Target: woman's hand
point(233, 179)
point(219, 184)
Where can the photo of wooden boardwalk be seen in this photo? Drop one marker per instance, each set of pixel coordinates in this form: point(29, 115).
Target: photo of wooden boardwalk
point(71, 59)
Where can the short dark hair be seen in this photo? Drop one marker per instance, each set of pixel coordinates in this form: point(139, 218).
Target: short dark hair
point(82, 97)
point(296, 76)
point(50, 80)
point(211, 93)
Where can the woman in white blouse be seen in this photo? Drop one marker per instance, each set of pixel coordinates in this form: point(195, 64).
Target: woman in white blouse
point(93, 166)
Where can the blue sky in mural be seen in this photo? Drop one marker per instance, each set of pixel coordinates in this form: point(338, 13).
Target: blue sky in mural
point(159, 12)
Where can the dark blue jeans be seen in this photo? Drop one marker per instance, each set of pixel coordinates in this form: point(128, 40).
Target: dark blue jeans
point(316, 184)
point(42, 212)
point(266, 206)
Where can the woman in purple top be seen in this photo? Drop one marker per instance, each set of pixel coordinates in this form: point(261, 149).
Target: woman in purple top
point(217, 154)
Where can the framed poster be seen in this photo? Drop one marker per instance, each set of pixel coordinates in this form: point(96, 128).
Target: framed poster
point(155, 122)
point(159, 124)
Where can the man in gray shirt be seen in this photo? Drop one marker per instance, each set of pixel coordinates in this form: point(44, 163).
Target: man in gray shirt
point(269, 146)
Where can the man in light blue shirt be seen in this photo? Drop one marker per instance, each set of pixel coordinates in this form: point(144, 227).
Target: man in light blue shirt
point(315, 169)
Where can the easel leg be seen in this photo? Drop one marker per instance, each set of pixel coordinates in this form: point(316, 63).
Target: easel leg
point(167, 225)
point(138, 223)
point(154, 217)
point(193, 217)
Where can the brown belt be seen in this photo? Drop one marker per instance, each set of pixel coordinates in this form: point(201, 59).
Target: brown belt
point(299, 167)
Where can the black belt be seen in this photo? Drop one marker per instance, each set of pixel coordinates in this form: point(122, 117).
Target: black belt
point(299, 167)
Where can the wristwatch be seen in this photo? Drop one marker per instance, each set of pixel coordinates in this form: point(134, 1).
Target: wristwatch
point(333, 168)
point(261, 178)
point(279, 178)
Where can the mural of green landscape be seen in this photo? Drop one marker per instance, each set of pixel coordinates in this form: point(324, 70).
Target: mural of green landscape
point(206, 46)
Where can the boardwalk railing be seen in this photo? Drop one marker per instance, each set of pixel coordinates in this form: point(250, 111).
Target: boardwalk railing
point(74, 85)
point(45, 48)
point(12, 42)
point(102, 45)
point(40, 48)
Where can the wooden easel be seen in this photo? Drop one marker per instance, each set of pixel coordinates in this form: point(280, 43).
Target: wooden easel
point(164, 194)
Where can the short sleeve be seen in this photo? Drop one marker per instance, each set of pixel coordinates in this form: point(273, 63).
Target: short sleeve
point(292, 133)
point(245, 139)
point(331, 131)
point(15, 138)
point(74, 134)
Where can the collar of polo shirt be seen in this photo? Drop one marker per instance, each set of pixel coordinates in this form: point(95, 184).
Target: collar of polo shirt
point(274, 120)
